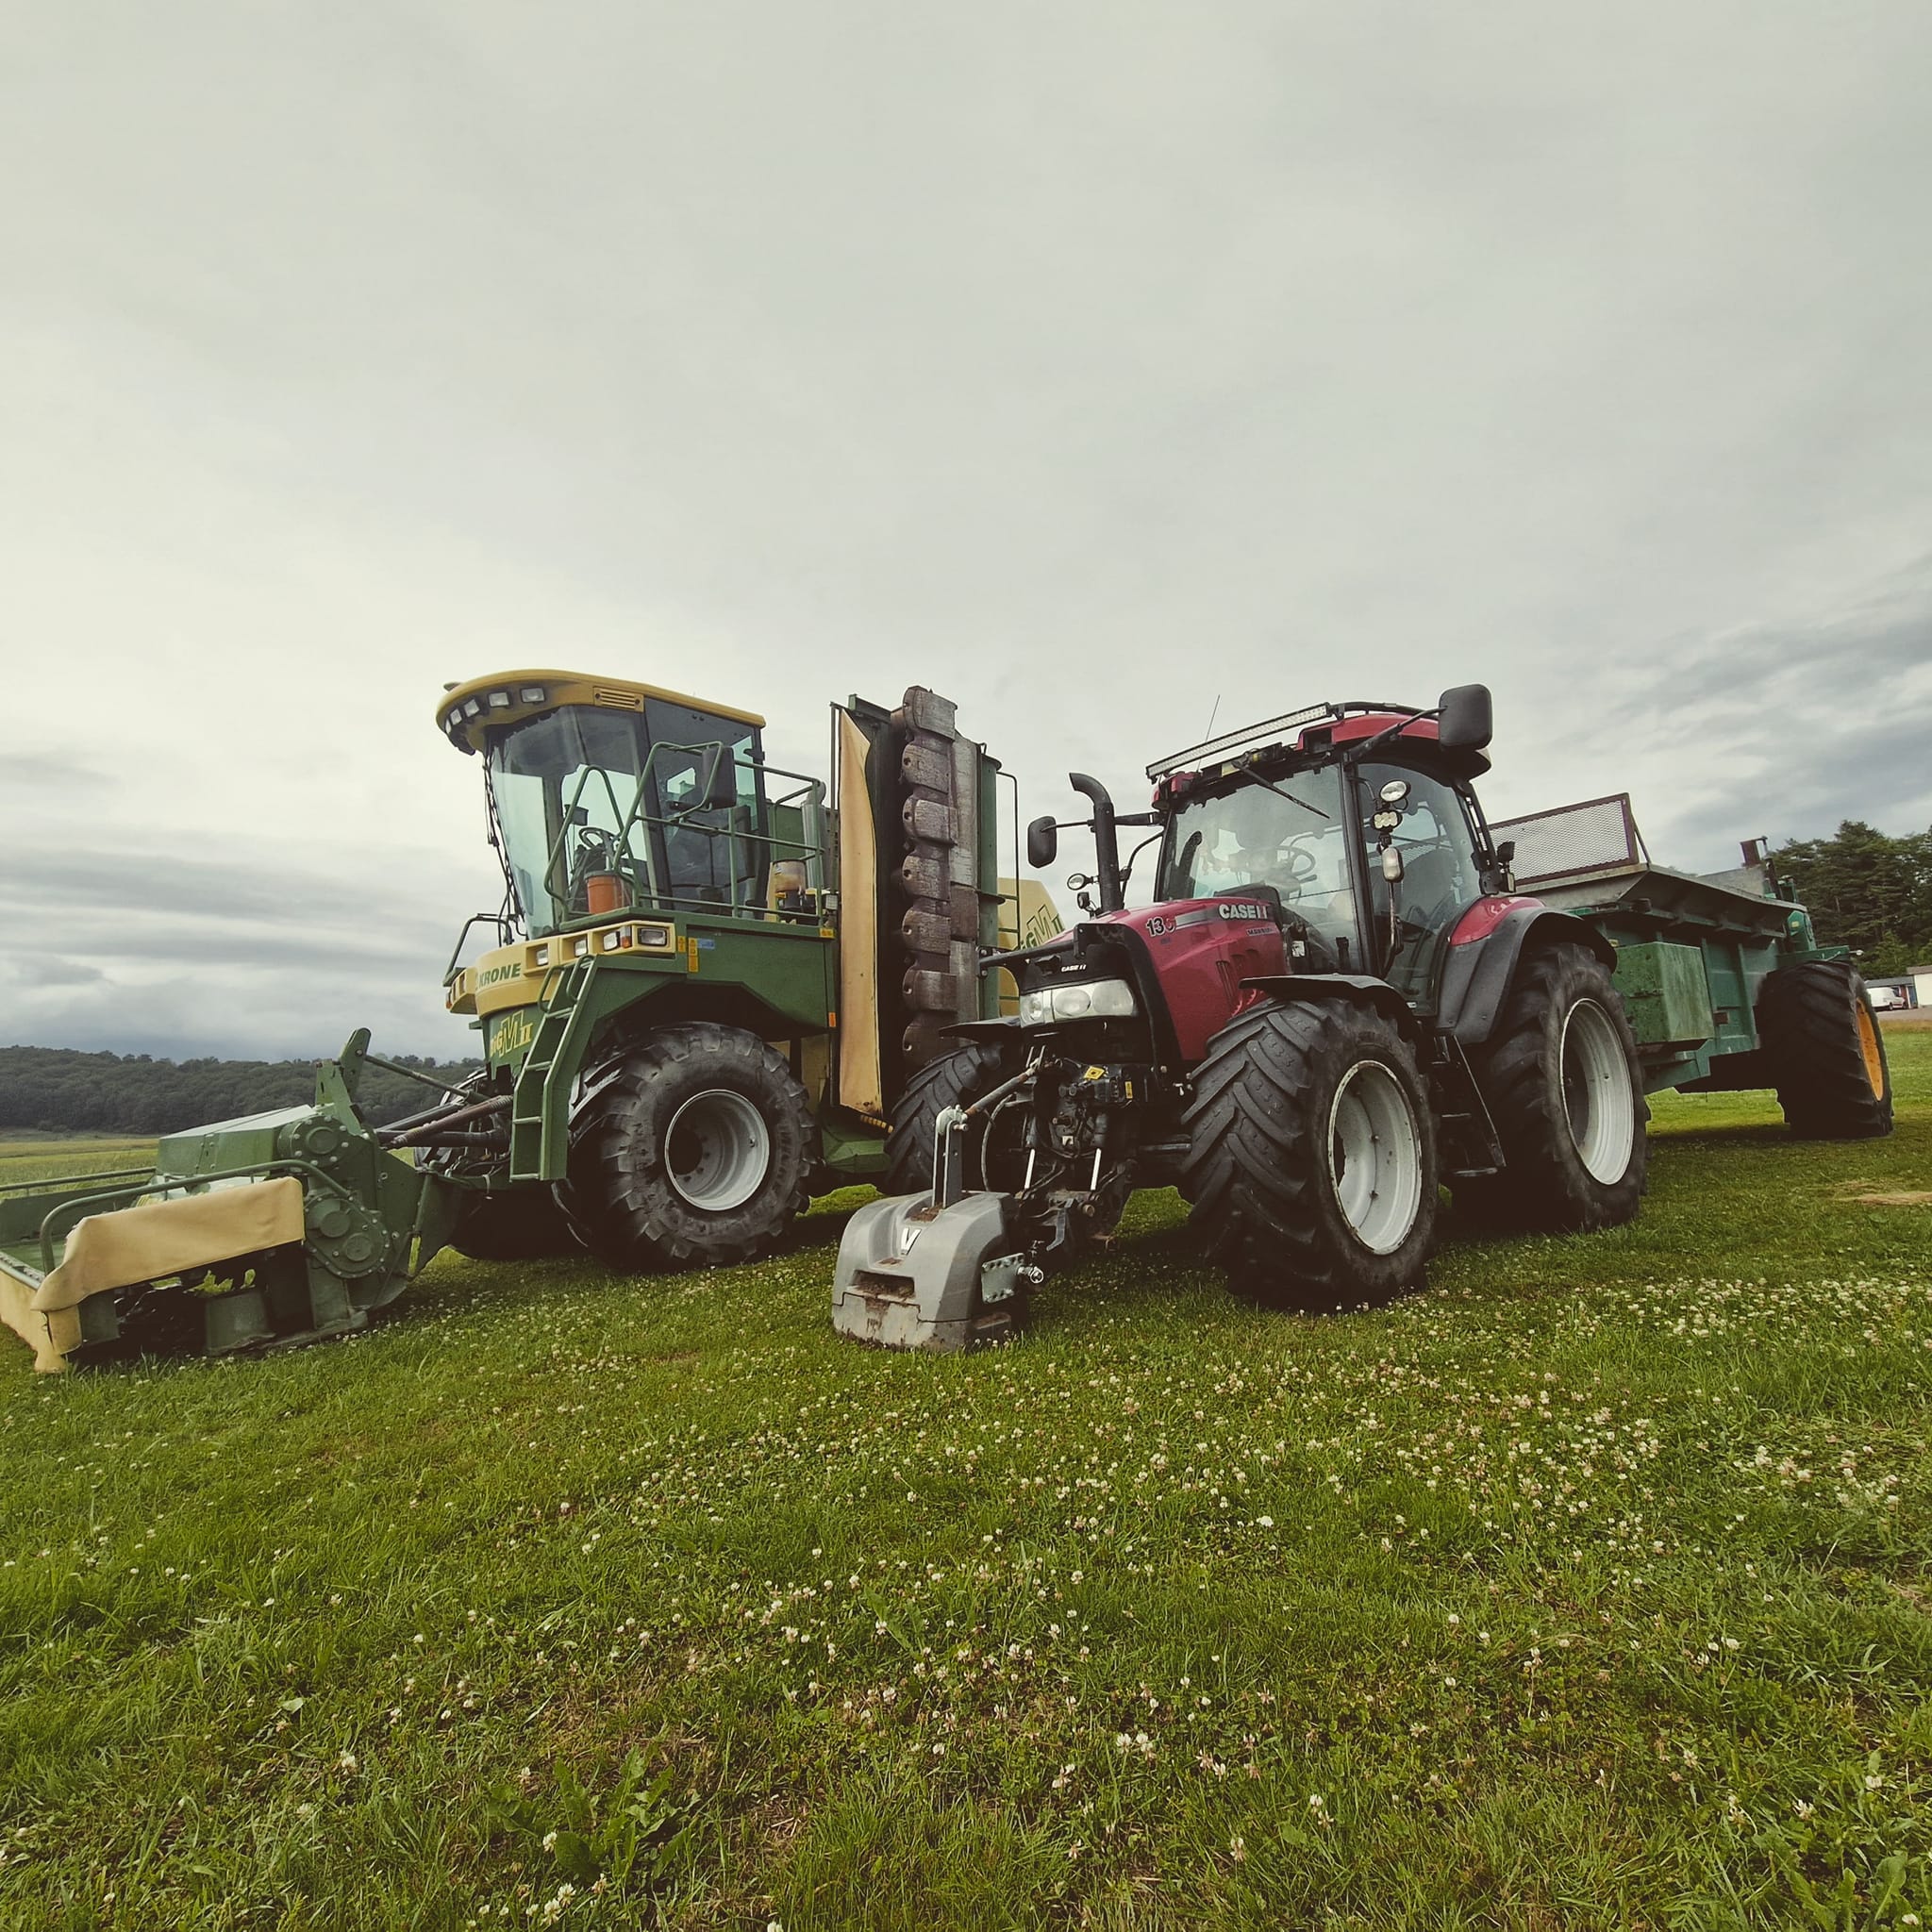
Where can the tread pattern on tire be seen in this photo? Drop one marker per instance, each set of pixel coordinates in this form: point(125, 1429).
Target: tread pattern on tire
point(956, 1079)
point(1256, 1166)
point(1807, 1018)
point(1543, 1185)
point(618, 1199)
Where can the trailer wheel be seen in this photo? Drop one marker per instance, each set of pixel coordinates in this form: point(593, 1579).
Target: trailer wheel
point(1826, 1053)
point(956, 1079)
point(1563, 1088)
point(519, 1224)
point(1311, 1157)
point(691, 1151)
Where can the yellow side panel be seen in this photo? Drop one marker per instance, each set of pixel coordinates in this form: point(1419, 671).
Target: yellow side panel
point(861, 1081)
point(1028, 917)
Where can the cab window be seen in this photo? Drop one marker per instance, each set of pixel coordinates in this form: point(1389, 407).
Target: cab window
point(1441, 873)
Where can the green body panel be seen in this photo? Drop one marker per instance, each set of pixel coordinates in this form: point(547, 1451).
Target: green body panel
point(1691, 956)
point(1666, 992)
point(774, 977)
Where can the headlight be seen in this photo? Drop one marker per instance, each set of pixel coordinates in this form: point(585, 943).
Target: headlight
point(1088, 999)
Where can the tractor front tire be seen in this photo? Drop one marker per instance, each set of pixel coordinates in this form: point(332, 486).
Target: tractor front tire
point(956, 1079)
point(1563, 1088)
point(518, 1224)
point(1824, 1051)
point(1311, 1157)
point(692, 1150)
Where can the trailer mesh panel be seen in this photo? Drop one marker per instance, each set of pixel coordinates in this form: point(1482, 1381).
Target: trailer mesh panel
point(1584, 841)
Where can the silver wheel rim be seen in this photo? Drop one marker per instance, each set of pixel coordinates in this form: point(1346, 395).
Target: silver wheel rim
point(1374, 1157)
point(1596, 1092)
point(718, 1150)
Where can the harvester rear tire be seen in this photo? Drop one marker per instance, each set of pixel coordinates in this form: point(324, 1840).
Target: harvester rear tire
point(1564, 1089)
point(694, 1150)
point(1824, 1051)
point(1311, 1158)
point(956, 1079)
point(522, 1223)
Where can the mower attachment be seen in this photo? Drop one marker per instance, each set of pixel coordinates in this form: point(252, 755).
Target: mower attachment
point(912, 1274)
point(265, 1231)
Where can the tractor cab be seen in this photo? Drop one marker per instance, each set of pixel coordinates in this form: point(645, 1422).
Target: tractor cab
point(1356, 821)
point(607, 797)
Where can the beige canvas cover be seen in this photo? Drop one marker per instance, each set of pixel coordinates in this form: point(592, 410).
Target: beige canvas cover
point(861, 1079)
point(148, 1242)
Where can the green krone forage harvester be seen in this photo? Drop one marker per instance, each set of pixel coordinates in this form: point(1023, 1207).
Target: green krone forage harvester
point(709, 983)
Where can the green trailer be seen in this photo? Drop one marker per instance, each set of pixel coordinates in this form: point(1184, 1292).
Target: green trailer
point(1721, 974)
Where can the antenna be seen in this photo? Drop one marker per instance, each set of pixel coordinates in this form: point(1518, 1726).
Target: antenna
point(1211, 716)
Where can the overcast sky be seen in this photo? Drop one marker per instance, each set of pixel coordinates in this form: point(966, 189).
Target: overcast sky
point(1090, 364)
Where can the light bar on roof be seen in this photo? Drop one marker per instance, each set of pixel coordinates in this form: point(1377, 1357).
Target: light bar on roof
point(1235, 741)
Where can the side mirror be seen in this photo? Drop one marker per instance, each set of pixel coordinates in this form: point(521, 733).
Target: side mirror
point(721, 786)
point(1042, 843)
point(1506, 852)
point(1464, 718)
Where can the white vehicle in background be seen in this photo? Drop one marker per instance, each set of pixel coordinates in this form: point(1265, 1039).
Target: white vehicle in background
point(1885, 999)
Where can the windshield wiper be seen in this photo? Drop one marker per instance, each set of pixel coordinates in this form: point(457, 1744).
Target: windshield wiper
point(1292, 798)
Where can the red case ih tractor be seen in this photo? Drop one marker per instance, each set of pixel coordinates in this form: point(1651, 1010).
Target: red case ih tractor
point(1335, 1004)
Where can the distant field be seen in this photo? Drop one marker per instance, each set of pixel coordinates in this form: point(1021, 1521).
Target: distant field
point(34, 1157)
point(1589, 1589)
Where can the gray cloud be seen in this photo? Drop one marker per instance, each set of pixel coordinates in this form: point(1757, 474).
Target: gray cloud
point(49, 969)
point(1088, 364)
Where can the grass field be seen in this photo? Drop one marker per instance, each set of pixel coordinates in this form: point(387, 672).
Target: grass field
point(22, 1158)
point(1588, 1588)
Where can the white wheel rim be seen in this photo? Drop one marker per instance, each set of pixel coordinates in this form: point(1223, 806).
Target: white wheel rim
point(1374, 1157)
point(718, 1150)
point(1598, 1098)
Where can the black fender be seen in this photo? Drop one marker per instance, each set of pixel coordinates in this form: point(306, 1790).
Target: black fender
point(1362, 989)
point(1476, 978)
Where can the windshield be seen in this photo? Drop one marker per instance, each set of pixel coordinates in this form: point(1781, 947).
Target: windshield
point(600, 809)
point(1290, 834)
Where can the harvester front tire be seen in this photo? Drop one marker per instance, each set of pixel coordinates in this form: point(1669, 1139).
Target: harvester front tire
point(1564, 1089)
point(1311, 1158)
point(693, 1151)
point(521, 1223)
point(956, 1079)
point(1825, 1052)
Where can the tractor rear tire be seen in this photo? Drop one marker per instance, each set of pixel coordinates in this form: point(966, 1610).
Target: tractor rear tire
point(956, 1079)
point(519, 1224)
point(692, 1150)
point(1824, 1051)
point(1564, 1089)
point(1311, 1157)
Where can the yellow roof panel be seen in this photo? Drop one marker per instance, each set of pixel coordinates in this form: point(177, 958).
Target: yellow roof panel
point(466, 711)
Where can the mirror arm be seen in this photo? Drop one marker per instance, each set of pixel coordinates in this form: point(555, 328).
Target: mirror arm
point(1358, 752)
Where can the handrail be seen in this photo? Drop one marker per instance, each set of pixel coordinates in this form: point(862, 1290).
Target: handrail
point(811, 790)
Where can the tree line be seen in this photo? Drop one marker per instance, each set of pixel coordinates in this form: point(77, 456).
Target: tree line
point(53, 1089)
point(1867, 892)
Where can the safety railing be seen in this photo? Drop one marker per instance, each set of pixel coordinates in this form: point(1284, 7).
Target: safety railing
point(752, 849)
